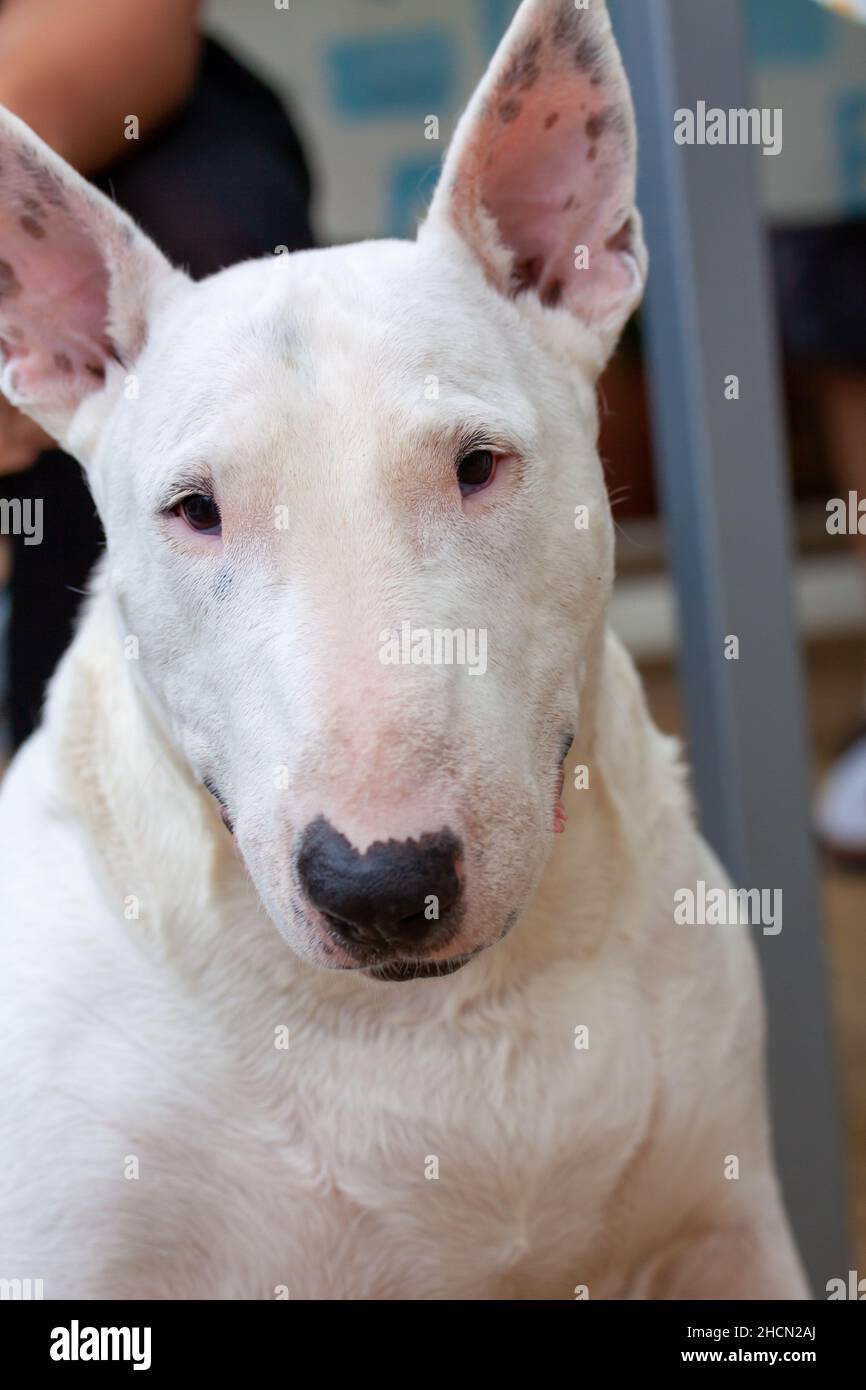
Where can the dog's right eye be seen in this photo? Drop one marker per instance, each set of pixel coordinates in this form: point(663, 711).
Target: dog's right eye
point(476, 470)
point(200, 512)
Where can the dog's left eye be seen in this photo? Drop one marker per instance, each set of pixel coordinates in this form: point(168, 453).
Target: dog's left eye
point(200, 512)
point(476, 470)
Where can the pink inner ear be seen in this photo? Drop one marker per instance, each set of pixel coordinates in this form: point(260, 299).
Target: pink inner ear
point(551, 195)
point(551, 158)
point(53, 285)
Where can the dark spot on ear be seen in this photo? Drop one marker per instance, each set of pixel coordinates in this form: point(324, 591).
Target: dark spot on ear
point(567, 26)
point(552, 295)
point(587, 58)
point(509, 110)
point(32, 227)
point(127, 232)
point(523, 70)
point(95, 369)
point(47, 183)
point(592, 152)
point(526, 274)
point(612, 119)
point(569, 203)
point(10, 285)
point(32, 205)
point(551, 120)
point(50, 189)
point(62, 362)
point(573, 29)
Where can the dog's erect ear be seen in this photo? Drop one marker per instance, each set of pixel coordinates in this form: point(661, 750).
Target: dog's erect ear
point(540, 176)
point(78, 281)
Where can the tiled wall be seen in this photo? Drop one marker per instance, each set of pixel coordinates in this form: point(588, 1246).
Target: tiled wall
point(364, 74)
point(812, 63)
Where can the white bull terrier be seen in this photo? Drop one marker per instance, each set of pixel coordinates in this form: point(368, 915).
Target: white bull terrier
point(301, 997)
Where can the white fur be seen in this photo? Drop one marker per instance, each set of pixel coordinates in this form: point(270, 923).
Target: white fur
point(141, 975)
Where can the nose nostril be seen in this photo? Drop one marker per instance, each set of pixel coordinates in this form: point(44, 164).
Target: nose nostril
point(397, 893)
point(412, 928)
point(417, 925)
point(351, 932)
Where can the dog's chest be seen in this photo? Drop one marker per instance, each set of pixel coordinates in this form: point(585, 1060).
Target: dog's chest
point(459, 1167)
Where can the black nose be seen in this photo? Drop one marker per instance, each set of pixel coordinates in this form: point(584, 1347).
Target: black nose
point(396, 894)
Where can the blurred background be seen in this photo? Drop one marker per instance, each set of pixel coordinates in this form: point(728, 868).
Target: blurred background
point(361, 78)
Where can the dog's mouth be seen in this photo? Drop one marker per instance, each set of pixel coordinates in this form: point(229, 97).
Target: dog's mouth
point(401, 971)
point(560, 815)
point(214, 791)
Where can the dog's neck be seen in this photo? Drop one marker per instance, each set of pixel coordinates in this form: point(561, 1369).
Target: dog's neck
point(157, 838)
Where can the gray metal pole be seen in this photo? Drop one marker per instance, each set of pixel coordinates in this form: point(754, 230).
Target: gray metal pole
point(724, 483)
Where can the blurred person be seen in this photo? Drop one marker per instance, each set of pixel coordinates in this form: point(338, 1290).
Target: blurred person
point(820, 275)
point(216, 175)
point(839, 384)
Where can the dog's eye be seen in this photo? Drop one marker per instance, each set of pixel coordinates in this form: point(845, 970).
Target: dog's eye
point(476, 470)
point(200, 512)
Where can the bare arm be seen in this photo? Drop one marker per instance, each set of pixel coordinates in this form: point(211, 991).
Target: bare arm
point(73, 69)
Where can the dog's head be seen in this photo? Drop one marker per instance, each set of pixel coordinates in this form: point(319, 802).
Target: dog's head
point(356, 519)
